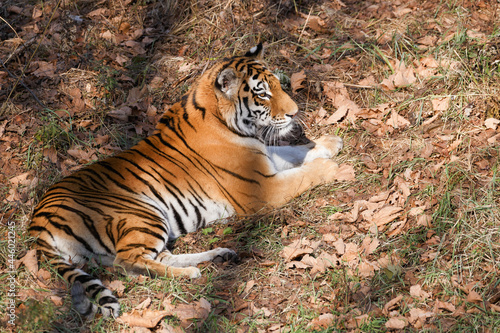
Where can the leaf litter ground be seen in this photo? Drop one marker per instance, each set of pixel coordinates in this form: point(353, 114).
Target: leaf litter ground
point(406, 239)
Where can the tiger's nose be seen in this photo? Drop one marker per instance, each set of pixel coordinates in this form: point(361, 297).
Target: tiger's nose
point(292, 113)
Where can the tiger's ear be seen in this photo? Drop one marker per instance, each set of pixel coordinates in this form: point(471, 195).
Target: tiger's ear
point(228, 82)
point(255, 52)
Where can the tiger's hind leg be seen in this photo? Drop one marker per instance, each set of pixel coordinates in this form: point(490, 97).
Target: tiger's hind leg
point(193, 259)
point(142, 257)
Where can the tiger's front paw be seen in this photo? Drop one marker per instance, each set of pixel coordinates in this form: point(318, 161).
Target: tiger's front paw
point(325, 170)
point(332, 143)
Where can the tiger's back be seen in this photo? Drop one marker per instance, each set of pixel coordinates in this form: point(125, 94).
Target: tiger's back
point(204, 162)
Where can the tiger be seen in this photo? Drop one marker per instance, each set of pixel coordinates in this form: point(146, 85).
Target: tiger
point(208, 158)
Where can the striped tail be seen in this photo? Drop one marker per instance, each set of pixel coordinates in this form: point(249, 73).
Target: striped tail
point(85, 286)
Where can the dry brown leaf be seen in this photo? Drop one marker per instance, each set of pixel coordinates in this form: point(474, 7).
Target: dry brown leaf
point(382, 196)
point(117, 286)
point(30, 261)
point(323, 321)
point(45, 69)
point(454, 145)
point(352, 216)
point(58, 301)
point(474, 297)
point(391, 305)
point(365, 269)
point(440, 104)
point(495, 308)
point(401, 11)
point(427, 40)
point(418, 292)
point(329, 237)
point(321, 263)
point(336, 116)
point(444, 305)
point(494, 139)
point(185, 312)
point(297, 81)
point(338, 95)
point(248, 286)
point(297, 264)
point(22, 179)
point(396, 322)
point(144, 318)
point(339, 246)
point(491, 123)
point(369, 245)
point(351, 252)
point(51, 154)
point(294, 251)
point(385, 215)
point(43, 274)
point(144, 304)
point(368, 81)
point(402, 77)
point(418, 317)
point(98, 12)
point(397, 121)
point(424, 220)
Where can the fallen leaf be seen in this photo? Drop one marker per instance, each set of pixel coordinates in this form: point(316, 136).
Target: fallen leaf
point(385, 215)
point(185, 312)
point(391, 305)
point(418, 292)
point(297, 81)
point(144, 318)
point(294, 251)
point(474, 297)
point(401, 11)
point(30, 262)
point(403, 76)
point(396, 322)
point(45, 69)
point(419, 316)
point(323, 321)
point(444, 305)
point(339, 246)
point(248, 286)
point(369, 245)
point(491, 123)
point(58, 301)
point(337, 93)
point(144, 304)
point(365, 269)
point(440, 104)
point(368, 81)
point(351, 252)
point(336, 116)
point(397, 121)
point(424, 220)
point(118, 287)
point(427, 40)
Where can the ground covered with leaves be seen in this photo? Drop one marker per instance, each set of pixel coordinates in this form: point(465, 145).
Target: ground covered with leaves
point(408, 240)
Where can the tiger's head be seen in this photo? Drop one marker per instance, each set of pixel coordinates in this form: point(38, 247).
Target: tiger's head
point(251, 100)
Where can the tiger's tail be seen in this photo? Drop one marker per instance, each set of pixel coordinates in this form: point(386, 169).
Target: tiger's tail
point(84, 286)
